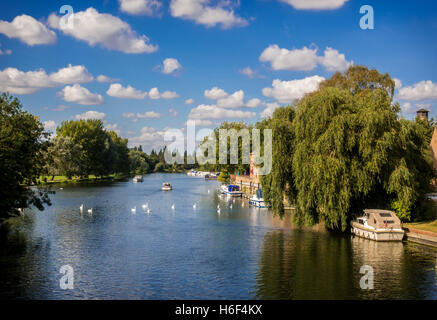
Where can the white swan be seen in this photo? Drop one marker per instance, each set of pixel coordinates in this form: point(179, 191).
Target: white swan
point(134, 209)
point(172, 206)
point(144, 206)
point(194, 206)
point(81, 207)
point(90, 211)
point(148, 210)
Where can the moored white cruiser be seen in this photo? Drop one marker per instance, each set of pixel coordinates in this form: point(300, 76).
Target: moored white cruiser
point(378, 225)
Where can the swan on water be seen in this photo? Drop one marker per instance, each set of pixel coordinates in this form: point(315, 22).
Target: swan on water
point(134, 209)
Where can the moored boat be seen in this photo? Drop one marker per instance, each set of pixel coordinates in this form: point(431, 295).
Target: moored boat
point(232, 190)
point(138, 179)
point(166, 186)
point(257, 199)
point(378, 225)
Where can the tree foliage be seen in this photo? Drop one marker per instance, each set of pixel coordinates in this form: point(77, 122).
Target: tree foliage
point(22, 142)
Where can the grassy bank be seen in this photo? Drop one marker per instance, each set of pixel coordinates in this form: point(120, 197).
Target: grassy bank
point(43, 180)
point(426, 226)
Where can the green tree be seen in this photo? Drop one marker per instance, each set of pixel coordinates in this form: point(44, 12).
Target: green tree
point(22, 142)
point(280, 181)
point(63, 157)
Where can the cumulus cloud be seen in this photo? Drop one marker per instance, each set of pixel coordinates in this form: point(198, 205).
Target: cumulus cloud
point(80, 95)
point(249, 72)
point(71, 74)
point(154, 94)
point(149, 137)
point(90, 115)
point(201, 123)
point(118, 91)
point(290, 91)
point(140, 7)
point(235, 100)
point(423, 90)
point(102, 78)
point(398, 83)
point(112, 127)
point(315, 4)
point(215, 93)
point(16, 81)
point(49, 125)
point(61, 107)
point(189, 101)
point(304, 59)
point(253, 103)
point(334, 60)
point(105, 30)
point(28, 30)
point(149, 115)
point(213, 112)
point(268, 111)
point(170, 65)
point(201, 12)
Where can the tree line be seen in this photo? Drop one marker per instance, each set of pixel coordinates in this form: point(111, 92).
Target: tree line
point(344, 148)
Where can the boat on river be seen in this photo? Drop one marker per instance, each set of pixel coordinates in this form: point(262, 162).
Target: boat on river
point(231, 190)
point(378, 225)
point(166, 186)
point(138, 179)
point(257, 199)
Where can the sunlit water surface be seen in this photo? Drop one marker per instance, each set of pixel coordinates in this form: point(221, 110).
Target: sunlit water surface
point(198, 253)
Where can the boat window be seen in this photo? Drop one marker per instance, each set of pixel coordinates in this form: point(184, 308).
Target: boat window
point(360, 221)
point(385, 215)
point(389, 221)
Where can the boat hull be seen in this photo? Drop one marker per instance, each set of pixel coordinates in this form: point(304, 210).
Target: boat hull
point(234, 194)
point(377, 235)
point(257, 203)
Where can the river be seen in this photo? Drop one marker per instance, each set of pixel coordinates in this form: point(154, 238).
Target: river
point(197, 253)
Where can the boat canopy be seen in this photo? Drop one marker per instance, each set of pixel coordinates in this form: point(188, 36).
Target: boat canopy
point(382, 219)
point(233, 187)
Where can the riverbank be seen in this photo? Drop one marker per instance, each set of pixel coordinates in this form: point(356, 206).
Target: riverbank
point(47, 180)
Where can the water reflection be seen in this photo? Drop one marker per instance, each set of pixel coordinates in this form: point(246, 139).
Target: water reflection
point(308, 265)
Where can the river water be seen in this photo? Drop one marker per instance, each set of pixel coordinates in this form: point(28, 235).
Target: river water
point(197, 253)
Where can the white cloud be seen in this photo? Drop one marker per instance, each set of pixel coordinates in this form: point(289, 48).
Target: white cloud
point(253, 103)
point(71, 74)
point(315, 4)
point(80, 95)
point(140, 7)
point(16, 81)
point(398, 83)
point(112, 127)
point(334, 60)
point(304, 59)
point(423, 90)
point(154, 94)
point(201, 12)
point(215, 93)
point(268, 112)
point(189, 101)
point(28, 30)
point(61, 108)
point(235, 100)
point(213, 112)
point(170, 65)
point(49, 125)
point(90, 115)
point(105, 30)
point(289, 91)
point(248, 72)
point(5, 52)
point(118, 91)
point(148, 137)
point(201, 123)
point(173, 112)
point(149, 115)
point(103, 78)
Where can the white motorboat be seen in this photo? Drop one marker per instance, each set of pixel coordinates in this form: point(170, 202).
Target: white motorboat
point(138, 179)
point(232, 190)
point(166, 186)
point(378, 225)
point(257, 199)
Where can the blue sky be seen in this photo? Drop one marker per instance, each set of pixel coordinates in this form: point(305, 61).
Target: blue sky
point(286, 48)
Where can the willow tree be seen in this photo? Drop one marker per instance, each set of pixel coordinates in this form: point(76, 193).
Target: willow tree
point(352, 151)
point(280, 181)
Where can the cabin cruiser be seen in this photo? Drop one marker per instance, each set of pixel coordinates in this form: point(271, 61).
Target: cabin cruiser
point(231, 190)
point(166, 186)
point(257, 199)
point(211, 176)
point(138, 179)
point(378, 225)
